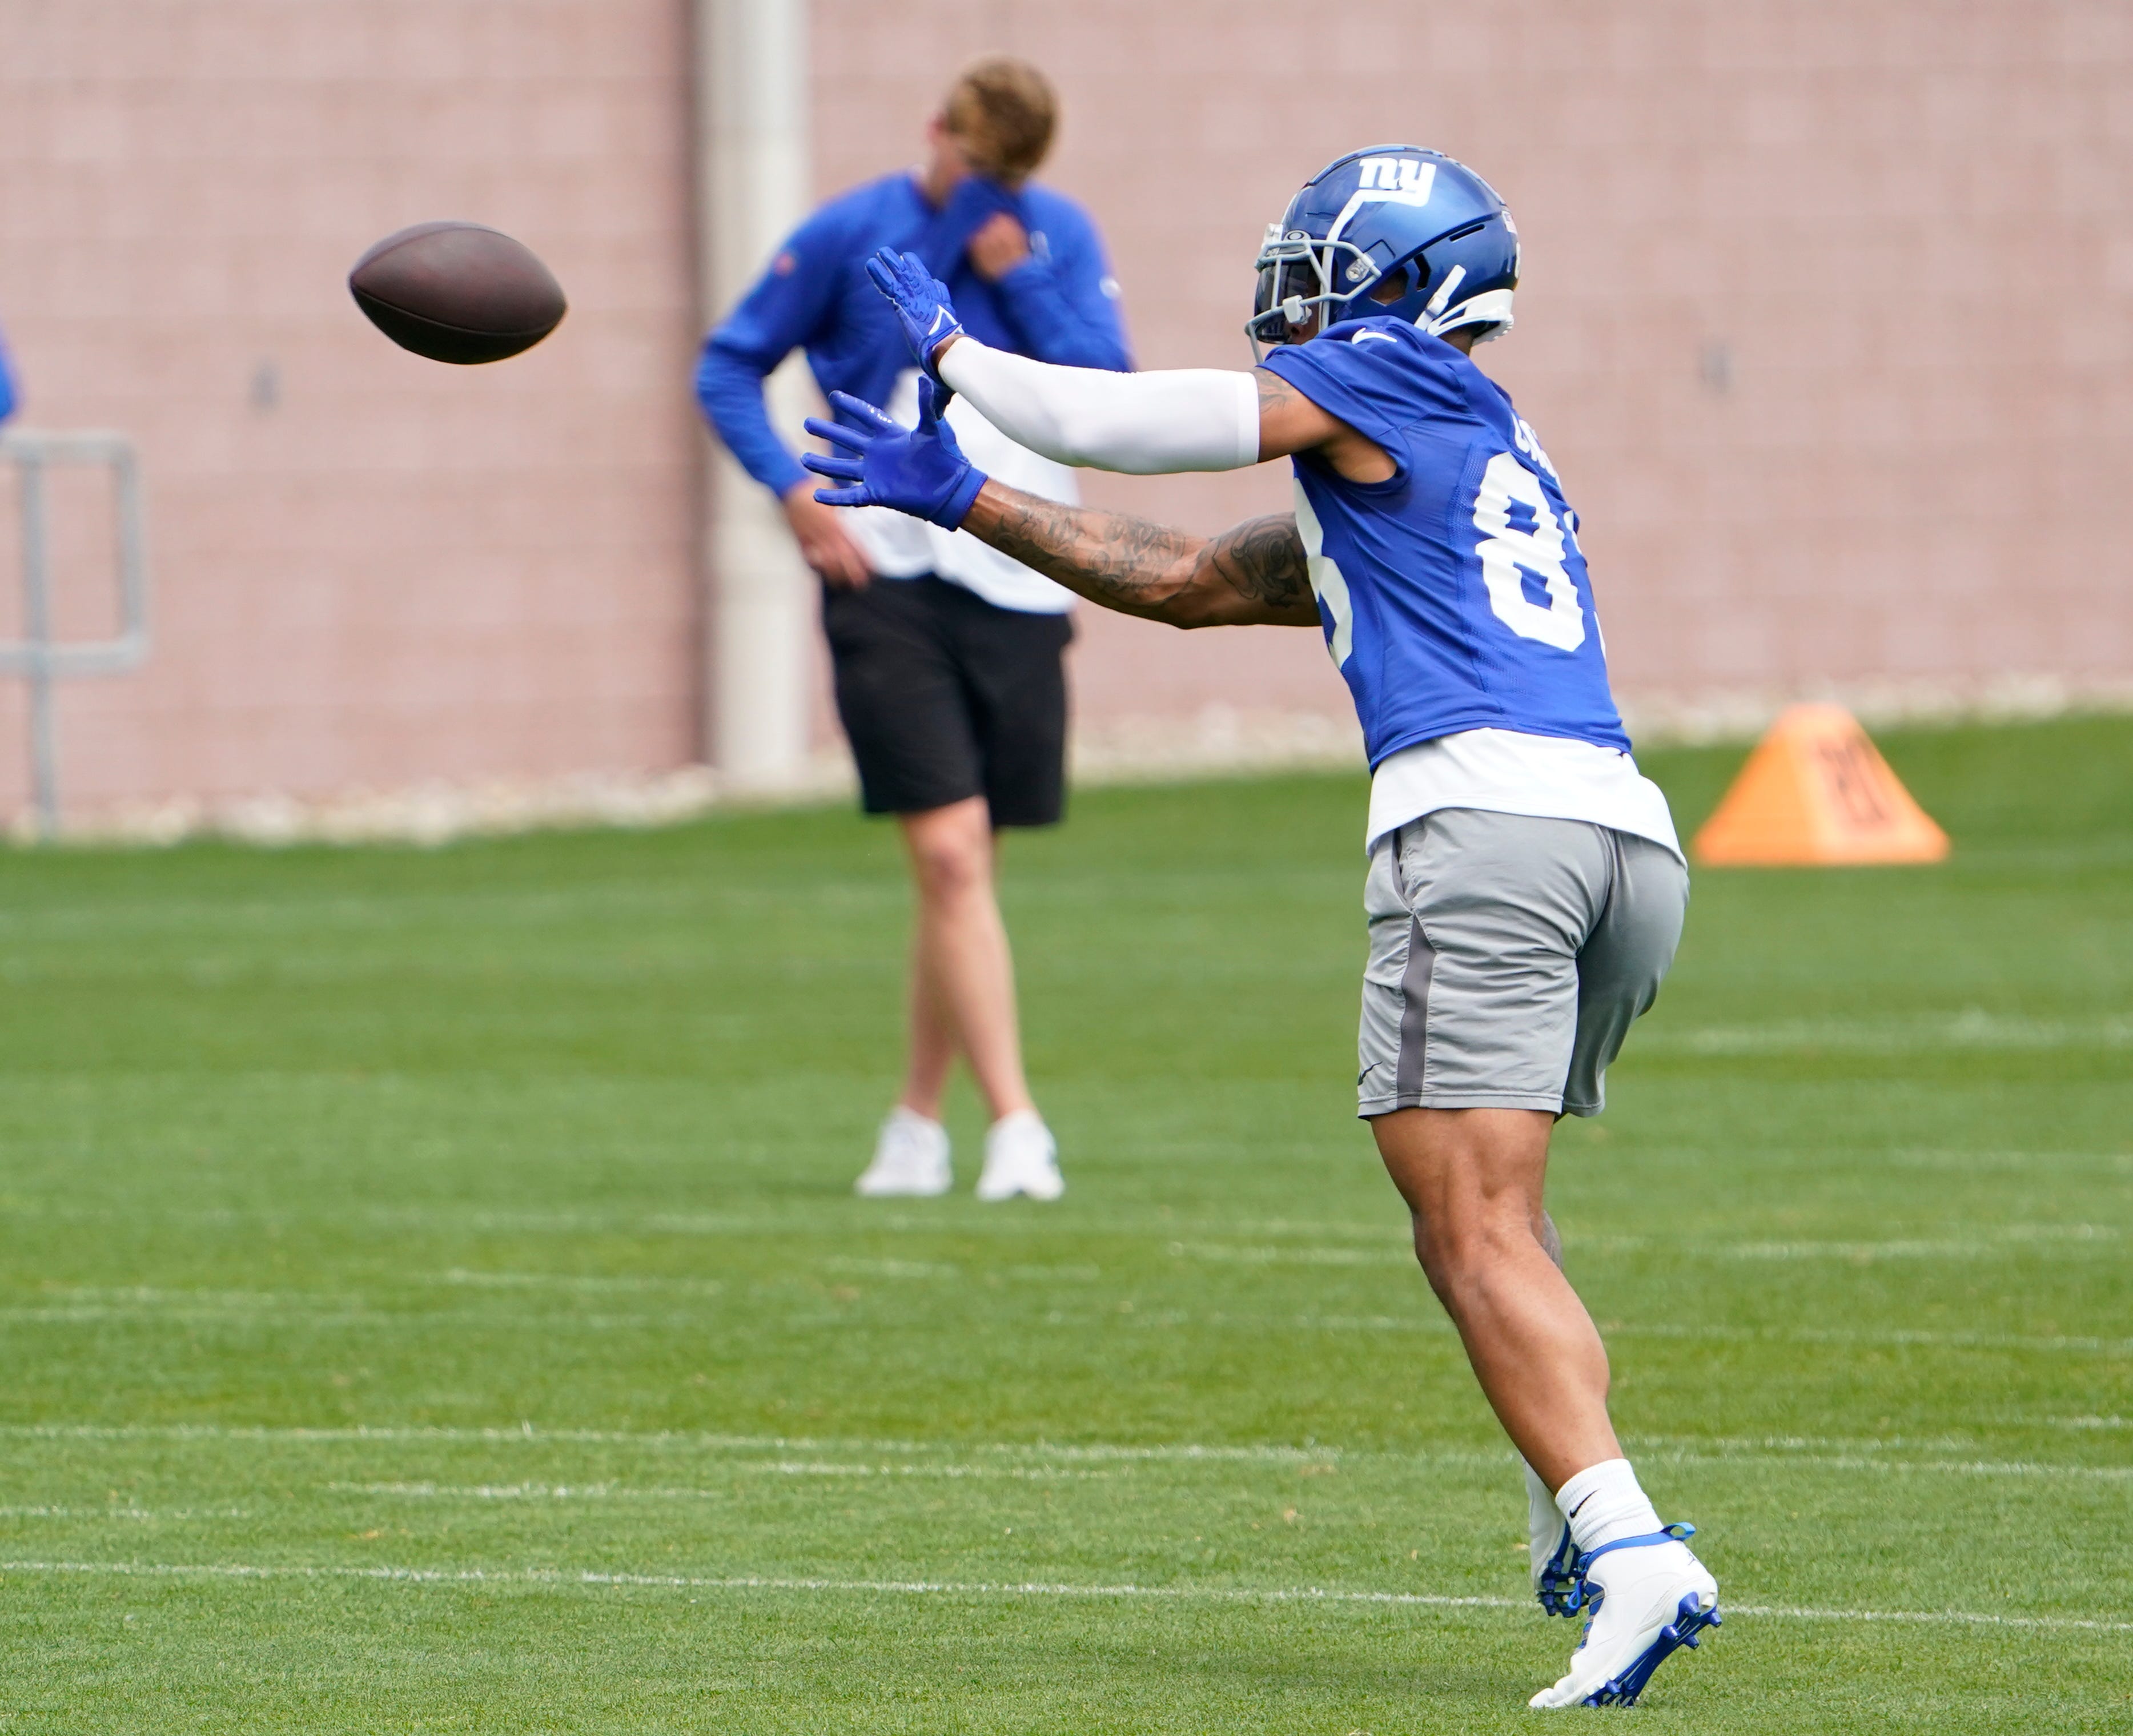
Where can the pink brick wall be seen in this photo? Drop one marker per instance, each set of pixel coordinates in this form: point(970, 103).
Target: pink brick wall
point(1828, 323)
point(398, 570)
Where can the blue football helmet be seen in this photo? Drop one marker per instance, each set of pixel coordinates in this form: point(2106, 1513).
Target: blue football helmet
point(1392, 232)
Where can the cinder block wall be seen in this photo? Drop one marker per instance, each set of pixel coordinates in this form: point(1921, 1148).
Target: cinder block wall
point(369, 570)
point(1829, 324)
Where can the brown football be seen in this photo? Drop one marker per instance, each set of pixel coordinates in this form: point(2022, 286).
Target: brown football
point(457, 292)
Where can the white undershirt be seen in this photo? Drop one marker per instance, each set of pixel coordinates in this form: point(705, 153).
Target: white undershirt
point(1504, 771)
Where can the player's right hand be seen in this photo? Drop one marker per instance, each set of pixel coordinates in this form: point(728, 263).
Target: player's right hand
point(998, 245)
point(920, 470)
point(825, 545)
point(921, 304)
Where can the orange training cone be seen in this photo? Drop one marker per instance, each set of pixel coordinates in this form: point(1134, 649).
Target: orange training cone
point(1815, 791)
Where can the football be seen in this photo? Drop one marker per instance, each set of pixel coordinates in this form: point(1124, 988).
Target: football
point(457, 292)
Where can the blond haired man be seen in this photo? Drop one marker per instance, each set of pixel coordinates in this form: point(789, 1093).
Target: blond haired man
point(948, 655)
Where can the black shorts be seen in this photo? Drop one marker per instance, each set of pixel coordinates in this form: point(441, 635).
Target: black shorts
point(944, 696)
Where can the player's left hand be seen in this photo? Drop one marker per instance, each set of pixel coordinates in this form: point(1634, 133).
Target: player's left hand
point(921, 304)
point(920, 470)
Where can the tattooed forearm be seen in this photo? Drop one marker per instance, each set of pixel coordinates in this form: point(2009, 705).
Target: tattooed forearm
point(1253, 574)
point(1123, 563)
point(1263, 558)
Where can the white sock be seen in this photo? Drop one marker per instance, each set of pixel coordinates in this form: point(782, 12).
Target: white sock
point(1544, 1523)
point(1603, 1502)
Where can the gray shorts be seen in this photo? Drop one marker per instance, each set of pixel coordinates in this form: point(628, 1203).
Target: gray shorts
point(1508, 957)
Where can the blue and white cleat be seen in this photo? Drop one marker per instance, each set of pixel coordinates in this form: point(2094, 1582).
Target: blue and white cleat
point(1552, 1552)
point(1557, 1584)
point(1645, 1598)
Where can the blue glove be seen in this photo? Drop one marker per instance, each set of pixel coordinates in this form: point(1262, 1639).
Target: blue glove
point(920, 470)
point(920, 300)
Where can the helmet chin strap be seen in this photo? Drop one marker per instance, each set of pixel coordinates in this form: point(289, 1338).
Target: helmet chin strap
point(1443, 299)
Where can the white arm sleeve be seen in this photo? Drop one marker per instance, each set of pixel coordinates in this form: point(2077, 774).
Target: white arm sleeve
point(1143, 424)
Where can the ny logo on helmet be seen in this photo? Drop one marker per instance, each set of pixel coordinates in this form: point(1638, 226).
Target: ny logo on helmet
point(1397, 175)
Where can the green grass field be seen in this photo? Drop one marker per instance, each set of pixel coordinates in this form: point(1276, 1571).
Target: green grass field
point(433, 1299)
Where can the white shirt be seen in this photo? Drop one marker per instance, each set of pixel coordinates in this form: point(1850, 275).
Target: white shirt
point(1504, 771)
point(899, 546)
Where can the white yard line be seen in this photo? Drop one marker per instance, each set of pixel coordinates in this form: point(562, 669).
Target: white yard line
point(121, 1512)
point(380, 1319)
point(1124, 1313)
point(790, 1468)
point(243, 1571)
point(777, 1468)
point(2057, 1239)
point(268, 1313)
point(890, 1268)
point(1818, 1452)
point(1973, 1163)
point(1393, 1251)
point(147, 1295)
point(1893, 1339)
point(1899, 1466)
point(592, 1283)
point(1397, 1254)
point(1972, 1028)
point(1805, 1443)
point(528, 1433)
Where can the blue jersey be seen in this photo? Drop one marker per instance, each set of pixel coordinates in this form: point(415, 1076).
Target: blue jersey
point(1060, 305)
point(7, 386)
point(1453, 595)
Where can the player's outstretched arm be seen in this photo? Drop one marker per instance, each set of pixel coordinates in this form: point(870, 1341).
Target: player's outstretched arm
point(1252, 575)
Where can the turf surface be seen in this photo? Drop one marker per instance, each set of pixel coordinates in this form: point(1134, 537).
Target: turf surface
point(433, 1300)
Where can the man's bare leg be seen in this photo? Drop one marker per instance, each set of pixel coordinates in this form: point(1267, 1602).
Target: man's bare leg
point(932, 1036)
point(962, 967)
point(1472, 1181)
point(911, 1156)
point(1551, 1552)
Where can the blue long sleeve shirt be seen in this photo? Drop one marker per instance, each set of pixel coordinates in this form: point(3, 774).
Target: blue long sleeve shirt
point(6, 384)
point(1060, 305)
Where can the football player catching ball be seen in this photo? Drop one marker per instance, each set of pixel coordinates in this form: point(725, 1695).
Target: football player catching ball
point(1525, 889)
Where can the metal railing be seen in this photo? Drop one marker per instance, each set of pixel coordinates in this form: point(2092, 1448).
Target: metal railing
point(37, 656)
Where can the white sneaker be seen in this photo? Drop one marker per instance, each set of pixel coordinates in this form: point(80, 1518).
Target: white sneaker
point(910, 1156)
point(1646, 1596)
point(1021, 1158)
